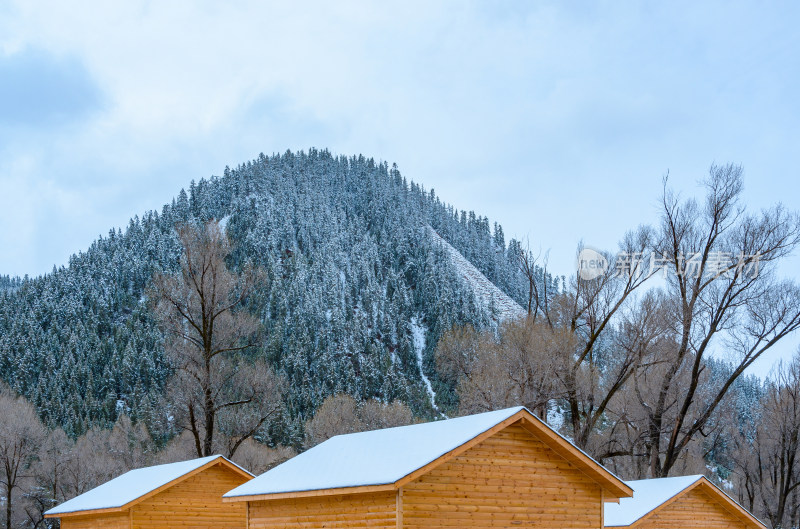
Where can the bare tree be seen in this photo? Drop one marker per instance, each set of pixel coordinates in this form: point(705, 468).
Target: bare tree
point(21, 435)
point(258, 396)
point(639, 340)
point(376, 415)
point(342, 414)
point(538, 296)
point(515, 367)
point(49, 469)
point(180, 448)
point(737, 306)
point(92, 462)
point(583, 318)
point(632, 361)
point(258, 458)
point(456, 352)
point(767, 451)
point(568, 347)
point(202, 311)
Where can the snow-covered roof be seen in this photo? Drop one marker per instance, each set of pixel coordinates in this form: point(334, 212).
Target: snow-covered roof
point(384, 457)
point(377, 457)
point(132, 485)
point(648, 494)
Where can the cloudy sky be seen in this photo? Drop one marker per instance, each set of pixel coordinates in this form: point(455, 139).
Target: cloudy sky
point(556, 119)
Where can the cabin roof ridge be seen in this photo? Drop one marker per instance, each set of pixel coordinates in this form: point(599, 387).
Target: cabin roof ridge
point(386, 459)
point(133, 486)
point(653, 494)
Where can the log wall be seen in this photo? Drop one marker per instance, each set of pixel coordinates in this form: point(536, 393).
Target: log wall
point(194, 502)
point(509, 480)
point(376, 510)
point(694, 509)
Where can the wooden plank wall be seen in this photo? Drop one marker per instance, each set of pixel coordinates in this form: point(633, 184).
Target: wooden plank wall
point(694, 509)
point(116, 520)
point(194, 502)
point(375, 510)
point(509, 480)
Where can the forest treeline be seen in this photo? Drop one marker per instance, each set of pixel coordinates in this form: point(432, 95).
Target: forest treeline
point(342, 243)
point(275, 306)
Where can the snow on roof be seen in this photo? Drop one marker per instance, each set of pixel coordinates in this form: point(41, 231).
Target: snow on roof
point(378, 457)
point(130, 486)
point(648, 494)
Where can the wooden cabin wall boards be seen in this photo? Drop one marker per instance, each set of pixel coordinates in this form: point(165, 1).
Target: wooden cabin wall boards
point(683, 502)
point(509, 470)
point(185, 494)
point(501, 469)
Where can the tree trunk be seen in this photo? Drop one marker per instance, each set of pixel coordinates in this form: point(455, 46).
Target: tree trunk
point(8, 506)
point(208, 442)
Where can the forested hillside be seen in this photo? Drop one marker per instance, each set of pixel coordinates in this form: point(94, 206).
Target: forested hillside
point(352, 276)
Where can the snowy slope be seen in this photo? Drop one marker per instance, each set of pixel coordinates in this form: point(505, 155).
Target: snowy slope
point(418, 331)
point(485, 291)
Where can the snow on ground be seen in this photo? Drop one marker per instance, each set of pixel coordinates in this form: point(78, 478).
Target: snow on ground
point(485, 291)
point(725, 484)
point(418, 331)
point(555, 418)
point(223, 222)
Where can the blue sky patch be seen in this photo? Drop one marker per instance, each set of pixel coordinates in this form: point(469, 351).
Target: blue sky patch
point(38, 89)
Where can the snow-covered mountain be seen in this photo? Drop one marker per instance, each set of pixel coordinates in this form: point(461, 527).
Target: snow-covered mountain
point(359, 291)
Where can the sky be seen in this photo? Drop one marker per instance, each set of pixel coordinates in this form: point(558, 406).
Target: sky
point(556, 119)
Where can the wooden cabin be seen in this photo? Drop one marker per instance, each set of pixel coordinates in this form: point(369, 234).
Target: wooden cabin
point(679, 503)
point(498, 469)
point(186, 494)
